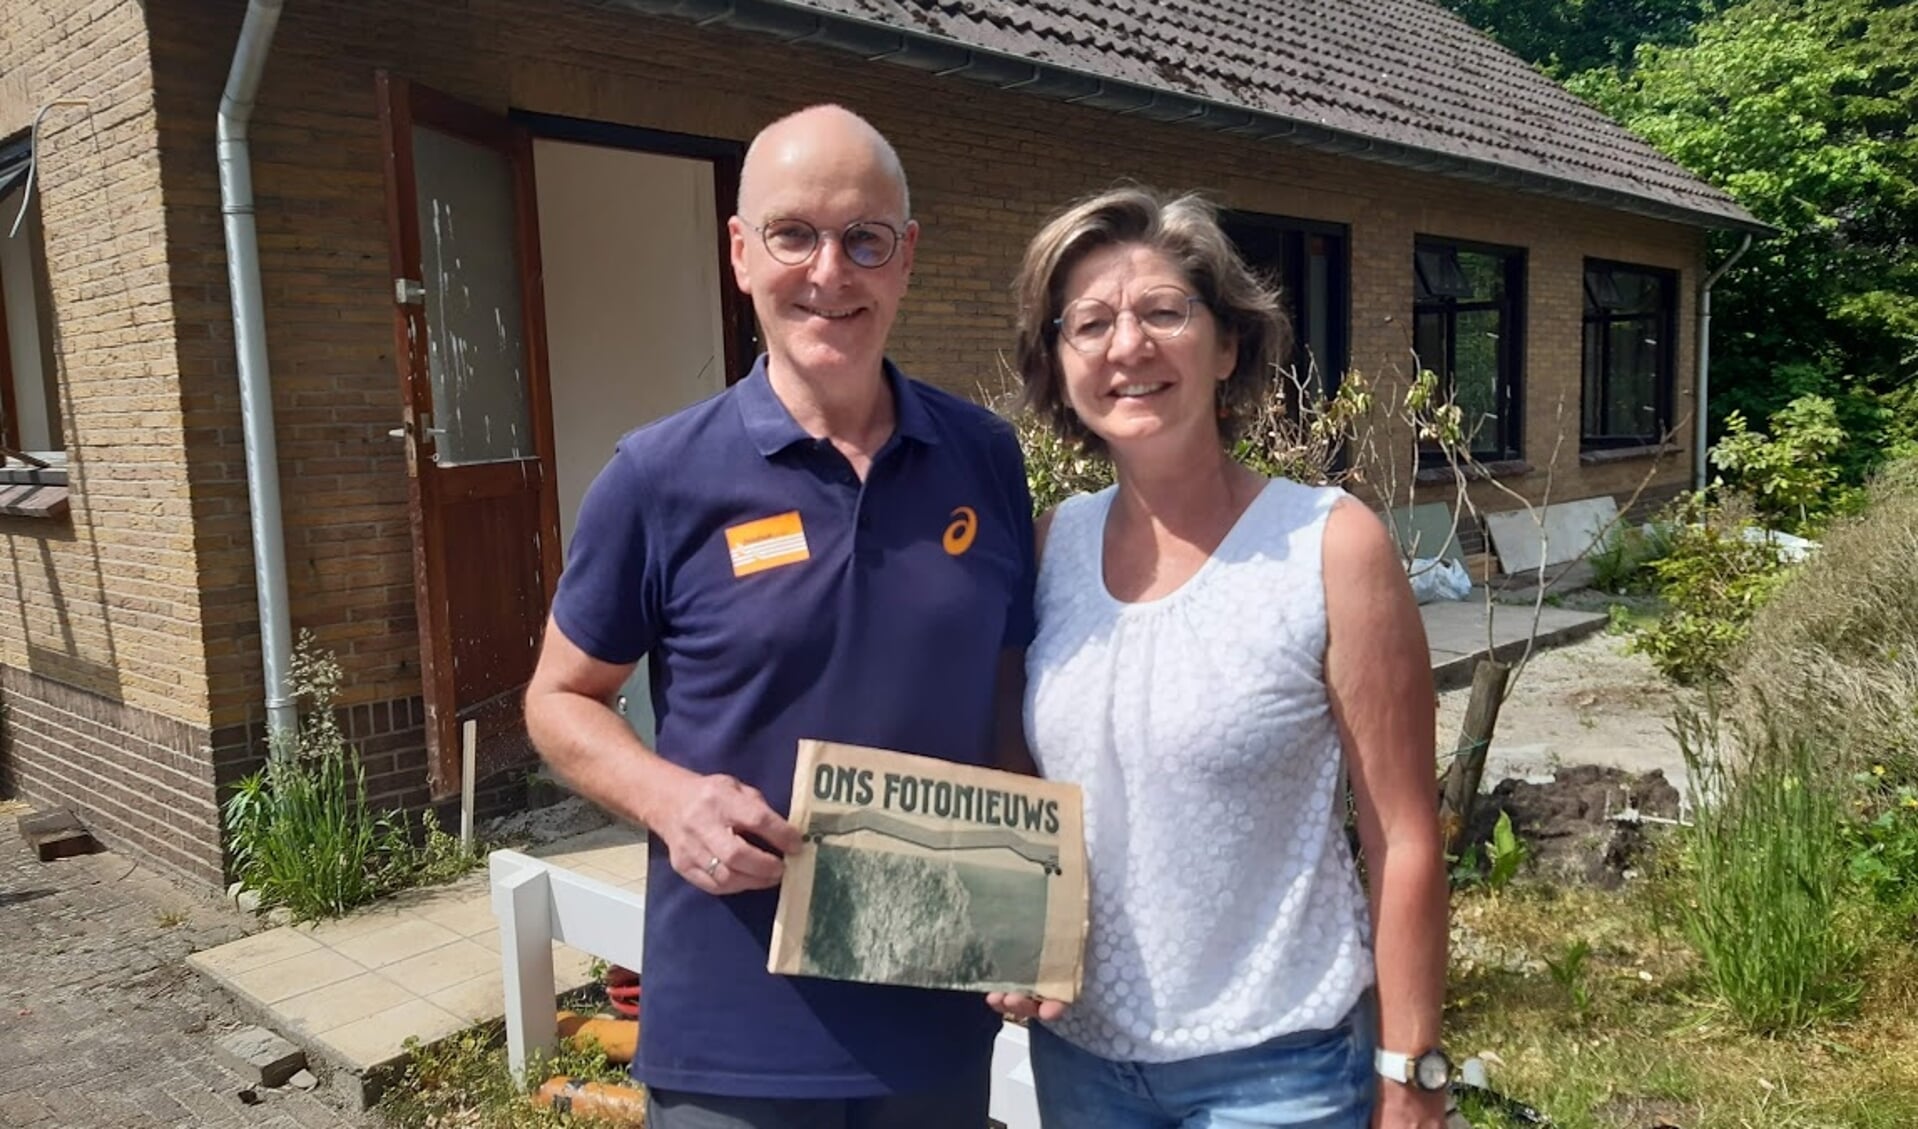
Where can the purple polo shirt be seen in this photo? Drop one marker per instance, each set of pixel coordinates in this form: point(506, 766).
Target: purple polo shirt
point(781, 598)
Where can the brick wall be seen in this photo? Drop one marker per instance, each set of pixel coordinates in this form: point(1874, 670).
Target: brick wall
point(100, 639)
point(987, 167)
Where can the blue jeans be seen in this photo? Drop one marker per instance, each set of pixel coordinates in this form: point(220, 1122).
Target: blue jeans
point(1306, 1080)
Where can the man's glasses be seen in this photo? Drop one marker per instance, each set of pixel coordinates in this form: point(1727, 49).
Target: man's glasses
point(1162, 312)
point(868, 243)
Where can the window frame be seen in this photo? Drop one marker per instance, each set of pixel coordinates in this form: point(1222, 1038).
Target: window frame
point(1665, 386)
point(1509, 382)
point(1289, 275)
point(33, 233)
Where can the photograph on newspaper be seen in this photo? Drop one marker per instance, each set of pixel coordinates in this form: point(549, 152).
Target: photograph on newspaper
point(937, 875)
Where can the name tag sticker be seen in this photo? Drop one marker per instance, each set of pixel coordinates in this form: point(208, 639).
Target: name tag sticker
point(767, 543)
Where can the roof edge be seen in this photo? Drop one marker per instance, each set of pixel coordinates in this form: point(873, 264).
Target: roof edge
point(794, 22)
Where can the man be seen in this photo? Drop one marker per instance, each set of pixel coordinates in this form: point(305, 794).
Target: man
point(825, 550)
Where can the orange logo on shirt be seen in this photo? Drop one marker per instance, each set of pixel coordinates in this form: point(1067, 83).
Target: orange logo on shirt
point(767, 543)
point(964, 527)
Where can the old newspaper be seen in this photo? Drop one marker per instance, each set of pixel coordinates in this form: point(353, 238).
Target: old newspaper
point(938, 875)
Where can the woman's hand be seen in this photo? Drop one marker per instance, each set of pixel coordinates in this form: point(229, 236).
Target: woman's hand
point(1018, 1005)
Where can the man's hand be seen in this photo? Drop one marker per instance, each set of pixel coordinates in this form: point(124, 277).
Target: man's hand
point(705, 824)
point(1017, 1005)
point(1407, 1107)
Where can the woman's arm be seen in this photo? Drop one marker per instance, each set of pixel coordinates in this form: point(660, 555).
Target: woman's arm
point(1379, 676)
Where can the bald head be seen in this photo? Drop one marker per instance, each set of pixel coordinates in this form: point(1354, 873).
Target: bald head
point(825, 140)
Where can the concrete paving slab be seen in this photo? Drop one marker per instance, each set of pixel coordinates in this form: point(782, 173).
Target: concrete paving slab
point(1460, 632)
point(408, 937)
point(1557, 534)
point(423, 964)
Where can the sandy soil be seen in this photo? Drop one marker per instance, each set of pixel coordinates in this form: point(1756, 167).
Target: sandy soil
point(1588, 703)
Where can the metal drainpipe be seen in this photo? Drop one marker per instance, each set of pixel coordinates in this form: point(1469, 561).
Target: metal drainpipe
point(1705, 362)
point(249, 342)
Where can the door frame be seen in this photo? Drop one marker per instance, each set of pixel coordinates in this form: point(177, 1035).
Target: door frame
point(403, 103)
point(727, 157)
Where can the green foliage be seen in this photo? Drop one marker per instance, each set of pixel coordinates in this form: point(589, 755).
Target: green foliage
point(1568, 972)
point(1563, 37)
point(1713, 578)
point(1883, 847)
point(1800, 109)
point(1056, 468)
point(300, 832)
point(1290, 434)
point(1506, 853)
point(1789, 474)
point(463, 1081)
point(1767, 859)
point(1622, 565)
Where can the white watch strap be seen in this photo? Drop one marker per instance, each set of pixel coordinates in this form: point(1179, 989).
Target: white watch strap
point(1393, 1066)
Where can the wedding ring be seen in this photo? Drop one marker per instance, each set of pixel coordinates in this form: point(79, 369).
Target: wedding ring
point(711, 866)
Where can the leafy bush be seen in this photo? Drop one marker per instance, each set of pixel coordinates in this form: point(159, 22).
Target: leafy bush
point(300, 832)
point(1292, 433)
point(1883, 846)
point(1789, 474)
point(1833, 656)
point(1713, 577)
point(1622, 565)
point(1056, 468)
point(1767, 858)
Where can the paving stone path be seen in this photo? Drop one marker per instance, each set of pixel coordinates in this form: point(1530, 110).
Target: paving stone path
point(102, 1025)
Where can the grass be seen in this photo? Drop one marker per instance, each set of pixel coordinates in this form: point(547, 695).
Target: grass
point(1833, 656)
point(462, 1083)
point(1651, 1045)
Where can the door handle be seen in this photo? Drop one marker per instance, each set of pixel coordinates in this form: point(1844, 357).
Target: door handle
point(402, 430)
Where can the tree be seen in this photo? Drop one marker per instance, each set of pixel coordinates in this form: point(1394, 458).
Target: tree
point(1563, 37)
point(1802, 111)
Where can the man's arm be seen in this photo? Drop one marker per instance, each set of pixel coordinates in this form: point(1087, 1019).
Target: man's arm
point(1010, 751)
point(700, 818)
point(1379, 675)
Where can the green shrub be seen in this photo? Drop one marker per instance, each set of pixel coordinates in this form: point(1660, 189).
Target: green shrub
point(1056, 468)
point(1713, 578)
point(299, 829)
point(1791, 474)
point(1292, 433)
point(1833, 656)
point(1767, 860)
point(1623, 564)
point(1883, 845)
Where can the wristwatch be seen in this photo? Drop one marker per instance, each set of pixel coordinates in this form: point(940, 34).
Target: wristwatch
point(1428, 1071)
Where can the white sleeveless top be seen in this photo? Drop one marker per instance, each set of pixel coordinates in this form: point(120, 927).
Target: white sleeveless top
point(1226, 909)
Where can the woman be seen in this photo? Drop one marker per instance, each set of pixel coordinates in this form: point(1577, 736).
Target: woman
point(1218, 653)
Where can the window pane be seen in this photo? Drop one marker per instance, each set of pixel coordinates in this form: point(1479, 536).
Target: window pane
point(1484, 275)
point(1475, 379)
point(475, 351)
point(23, 295)
point(1428, 341)
point(1638, 293)
point(1593, 399)
point(1632, 407)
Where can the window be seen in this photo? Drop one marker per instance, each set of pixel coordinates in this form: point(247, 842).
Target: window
point(1631, 317)
point(1467, 306)
point(1306, 261)
point(29, 399)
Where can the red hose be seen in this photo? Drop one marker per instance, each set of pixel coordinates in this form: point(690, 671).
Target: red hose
point(622, 991)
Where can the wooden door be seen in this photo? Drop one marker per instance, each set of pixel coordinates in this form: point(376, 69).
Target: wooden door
point(476, 418)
